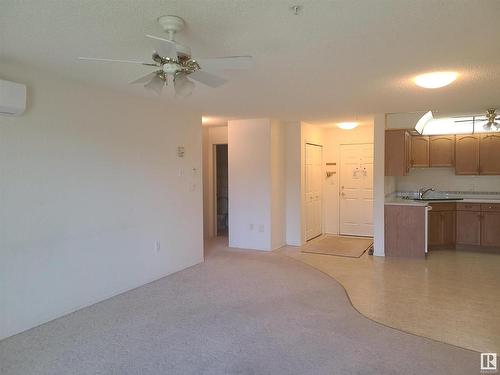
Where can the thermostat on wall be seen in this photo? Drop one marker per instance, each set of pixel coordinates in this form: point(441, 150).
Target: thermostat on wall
point(180, 151)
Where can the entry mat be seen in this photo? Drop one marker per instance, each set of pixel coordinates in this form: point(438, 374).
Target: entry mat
point(344, 246)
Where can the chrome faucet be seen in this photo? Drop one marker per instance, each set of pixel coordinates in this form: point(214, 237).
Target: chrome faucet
point(422, 192)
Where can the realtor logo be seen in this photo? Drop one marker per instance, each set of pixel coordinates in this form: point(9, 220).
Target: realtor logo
point(488, 362)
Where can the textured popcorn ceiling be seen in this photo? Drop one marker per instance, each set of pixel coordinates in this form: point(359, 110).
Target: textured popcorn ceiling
point(336, 60)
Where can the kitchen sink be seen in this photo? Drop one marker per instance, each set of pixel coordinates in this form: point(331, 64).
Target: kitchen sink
point(438, 199)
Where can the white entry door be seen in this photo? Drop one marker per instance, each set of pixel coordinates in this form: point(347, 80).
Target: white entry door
point(356, 190)
point(313, 197)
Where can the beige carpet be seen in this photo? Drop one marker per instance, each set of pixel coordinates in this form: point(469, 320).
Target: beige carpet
point(240, 312)
point(352, 247)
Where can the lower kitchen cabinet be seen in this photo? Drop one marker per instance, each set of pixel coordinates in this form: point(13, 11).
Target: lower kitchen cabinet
point(468, 227)
point(490, 229)
point(442, 225)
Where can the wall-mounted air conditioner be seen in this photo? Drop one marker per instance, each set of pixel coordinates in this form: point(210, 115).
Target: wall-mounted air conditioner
point(12, 98)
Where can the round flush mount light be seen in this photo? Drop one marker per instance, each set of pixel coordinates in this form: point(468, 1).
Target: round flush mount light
point(435, 80)
point(348, 125)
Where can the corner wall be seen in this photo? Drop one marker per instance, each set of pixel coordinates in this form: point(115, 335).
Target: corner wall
point(293, 183)
point(89, 181)
point(379, 184)
point(256, 151)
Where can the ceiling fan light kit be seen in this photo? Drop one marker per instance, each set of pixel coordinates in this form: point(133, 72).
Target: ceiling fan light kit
point(174, 60)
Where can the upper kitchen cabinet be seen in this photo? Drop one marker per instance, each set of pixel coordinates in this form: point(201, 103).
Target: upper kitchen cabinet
point(420, 151)
point(467, 154)
point(489, 154)
point(441, 150)
point(397, 152)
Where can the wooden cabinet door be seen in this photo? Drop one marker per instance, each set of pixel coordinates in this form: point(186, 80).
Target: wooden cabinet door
point(489, 154)
point(490, 229)
point(435, 229)
point(448, 227)
point(468, 227)
point(420, 151)
point(407, 152)
point(467, 154)
point(396, 163)
point(441, 150)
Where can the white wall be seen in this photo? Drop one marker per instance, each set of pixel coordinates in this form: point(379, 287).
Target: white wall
point(444, 179)
point(278, 185)
point(249, 152)
point(294, 234)
point(334, 138)
point(379, 124)
point(403, 120)
point(256, 152)
point(89, 180)
point(212, 135)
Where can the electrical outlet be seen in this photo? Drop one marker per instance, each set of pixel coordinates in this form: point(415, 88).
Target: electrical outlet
point(261, 228)
point(250, 226)
point(157, 245)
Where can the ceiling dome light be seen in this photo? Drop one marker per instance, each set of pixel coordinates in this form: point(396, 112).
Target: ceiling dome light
point(348, 125)
point(435, 80)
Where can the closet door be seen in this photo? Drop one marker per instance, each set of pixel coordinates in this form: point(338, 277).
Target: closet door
point(313, 193)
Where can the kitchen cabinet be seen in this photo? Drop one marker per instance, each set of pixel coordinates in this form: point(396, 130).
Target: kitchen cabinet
point(404, 230)
point(468, 224)
point(441, 150)
point(489, 154)
point(419, 151)
point(467, 154)
point(442, 225)
point(470, 154)
point(397, 152)
point(490, 225)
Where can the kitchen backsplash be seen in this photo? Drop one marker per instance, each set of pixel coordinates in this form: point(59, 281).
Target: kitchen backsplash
point(444, 179)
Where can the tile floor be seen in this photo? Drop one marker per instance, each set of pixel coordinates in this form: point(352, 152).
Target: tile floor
point(452, 296)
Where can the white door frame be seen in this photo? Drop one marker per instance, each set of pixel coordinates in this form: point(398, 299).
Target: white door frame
point(340, 181)
point(214, 187)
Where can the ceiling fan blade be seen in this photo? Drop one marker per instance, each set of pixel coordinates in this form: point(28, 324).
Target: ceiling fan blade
point(144, 78)
point(226, 63)
point(118, 61)
point(164, 47)
point(156, 84)
point(183, 86)
point(208, 79)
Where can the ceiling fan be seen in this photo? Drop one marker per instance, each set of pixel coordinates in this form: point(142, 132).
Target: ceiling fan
point(490, 118)
point(175, 64)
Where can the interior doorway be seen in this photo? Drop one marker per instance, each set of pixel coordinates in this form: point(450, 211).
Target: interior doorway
point(221, 190)
point(356, 190)
point(313, 192)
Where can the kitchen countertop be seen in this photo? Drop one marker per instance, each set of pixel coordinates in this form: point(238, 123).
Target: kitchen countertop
point(410, 202)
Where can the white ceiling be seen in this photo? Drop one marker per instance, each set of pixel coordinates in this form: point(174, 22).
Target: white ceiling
point(338, 60)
